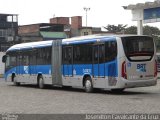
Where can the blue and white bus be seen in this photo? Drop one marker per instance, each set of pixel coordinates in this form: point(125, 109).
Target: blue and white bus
point(113, 62)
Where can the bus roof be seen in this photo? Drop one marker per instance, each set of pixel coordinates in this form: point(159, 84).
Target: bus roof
point(74, 40)
point(88, 39)
point(95, 38)
point(30, 45)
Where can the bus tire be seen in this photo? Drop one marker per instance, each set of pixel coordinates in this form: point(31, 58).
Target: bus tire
point(88, 85)
point(41, 82)
point(15, 81)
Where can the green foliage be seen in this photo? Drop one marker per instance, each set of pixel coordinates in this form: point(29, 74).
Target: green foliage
point(131, 30)
point(115, 29)
point(152, 31)
point(147, 30)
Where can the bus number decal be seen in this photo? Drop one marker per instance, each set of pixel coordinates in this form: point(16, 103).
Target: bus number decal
point(141, 67)
point(74, 72)
point(86, 71)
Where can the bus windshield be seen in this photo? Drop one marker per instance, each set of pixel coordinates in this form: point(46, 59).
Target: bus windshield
point(138, 48)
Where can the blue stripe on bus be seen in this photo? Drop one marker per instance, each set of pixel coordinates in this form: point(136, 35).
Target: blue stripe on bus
point(34, 69)
point(104, 69)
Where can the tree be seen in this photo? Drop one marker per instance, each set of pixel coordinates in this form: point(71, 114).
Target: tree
point(131, 30)
point(152, 31)
point(115, 29)
point(147, 30)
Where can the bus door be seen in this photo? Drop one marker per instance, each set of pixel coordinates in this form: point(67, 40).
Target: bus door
point(32, 62)
point(99, 60)
point(68, 61)
point(22, 63)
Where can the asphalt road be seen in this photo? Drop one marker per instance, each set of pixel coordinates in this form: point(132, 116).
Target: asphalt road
point(28, 99)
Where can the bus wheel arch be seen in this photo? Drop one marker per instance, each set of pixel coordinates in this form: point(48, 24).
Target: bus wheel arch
point(40, 81)
point(13, 79)
point(88, 83)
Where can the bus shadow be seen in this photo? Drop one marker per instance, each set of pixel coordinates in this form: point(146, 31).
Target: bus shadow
point(49, 87)
point(127, 93)
point(73, 89)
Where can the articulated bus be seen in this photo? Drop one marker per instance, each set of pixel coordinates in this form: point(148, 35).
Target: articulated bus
point(111, 62)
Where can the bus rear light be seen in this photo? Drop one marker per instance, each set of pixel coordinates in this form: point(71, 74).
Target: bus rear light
point(155, 69)
point(123, 71)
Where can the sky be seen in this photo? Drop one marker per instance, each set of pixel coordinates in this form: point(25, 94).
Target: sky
point(101, 13)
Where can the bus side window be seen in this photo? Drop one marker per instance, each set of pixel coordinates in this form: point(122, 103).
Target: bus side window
point(76, 54)
point(101, 53)
point(20, 59)
point(33, 56)
point(67, 55)
point(12, 61)
point(110, 50)
point(63, 55)
point(26, 57)
point(40, 56)
point(82, 54)
point(48, 55)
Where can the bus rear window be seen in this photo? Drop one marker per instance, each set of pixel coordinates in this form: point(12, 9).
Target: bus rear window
point(138, 48)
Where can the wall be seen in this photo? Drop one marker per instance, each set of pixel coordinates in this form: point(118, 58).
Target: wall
point(76, 22)
point(1, 64)
point(60, 20)
point(28, 29)
point(84, 30)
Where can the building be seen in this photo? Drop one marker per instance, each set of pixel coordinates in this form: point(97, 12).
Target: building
point(8, 31)
point(8, 35)
point(75, 28)
point(41, 31)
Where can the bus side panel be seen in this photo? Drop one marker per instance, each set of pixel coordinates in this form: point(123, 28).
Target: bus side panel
point(25, 74)
point(45, 70)
point(78, 71)
point(67, 70)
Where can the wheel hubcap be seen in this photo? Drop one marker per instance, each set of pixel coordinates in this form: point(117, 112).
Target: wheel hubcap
point(40, 82)
point(88, 84)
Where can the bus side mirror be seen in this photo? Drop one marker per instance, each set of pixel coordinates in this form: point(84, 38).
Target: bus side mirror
point(4, 58)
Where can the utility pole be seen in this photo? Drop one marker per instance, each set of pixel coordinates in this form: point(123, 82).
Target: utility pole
point(86, 9)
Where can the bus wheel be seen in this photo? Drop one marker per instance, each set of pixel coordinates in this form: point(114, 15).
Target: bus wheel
point(15, 81)
point(88, 85)
point(119, 90)
point(41, 82)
